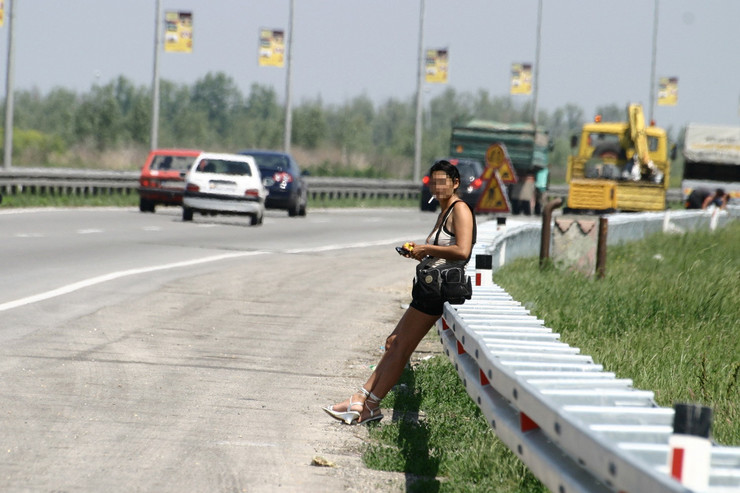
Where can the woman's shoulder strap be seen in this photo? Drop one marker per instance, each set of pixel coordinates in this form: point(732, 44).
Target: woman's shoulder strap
point(447, 215)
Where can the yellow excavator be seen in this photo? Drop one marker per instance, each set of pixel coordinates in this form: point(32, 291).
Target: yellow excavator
point(618, 166)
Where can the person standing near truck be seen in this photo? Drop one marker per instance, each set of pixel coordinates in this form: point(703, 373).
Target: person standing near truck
point(701, 198)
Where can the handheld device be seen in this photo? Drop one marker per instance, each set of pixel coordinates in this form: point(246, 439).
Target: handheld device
point(402, 251)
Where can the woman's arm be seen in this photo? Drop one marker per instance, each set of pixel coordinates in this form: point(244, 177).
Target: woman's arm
point(462, 226)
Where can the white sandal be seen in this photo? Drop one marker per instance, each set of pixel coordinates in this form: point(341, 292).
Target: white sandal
point(374, 411)
point(350, 417)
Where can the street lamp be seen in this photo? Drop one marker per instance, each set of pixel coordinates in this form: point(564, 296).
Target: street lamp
point(419, 85)
point(7, 162)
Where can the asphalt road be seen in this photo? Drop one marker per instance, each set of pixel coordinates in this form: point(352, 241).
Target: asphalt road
point(141, 353)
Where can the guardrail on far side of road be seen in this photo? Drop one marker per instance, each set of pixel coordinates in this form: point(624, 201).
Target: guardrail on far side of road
point(58, 181)
point(95, 182)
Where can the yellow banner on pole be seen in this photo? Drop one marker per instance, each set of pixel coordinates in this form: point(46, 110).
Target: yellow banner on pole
point(668, 91)
point(2, 13)
point(436, 66)
point(272, 48)
point(521, 78)
point(178, 36)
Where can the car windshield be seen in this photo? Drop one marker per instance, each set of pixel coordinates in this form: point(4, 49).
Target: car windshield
point(271, 162)
point(224, 167)
point(174, 163)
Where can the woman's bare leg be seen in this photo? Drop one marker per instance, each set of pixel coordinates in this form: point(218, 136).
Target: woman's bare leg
point(399, 346)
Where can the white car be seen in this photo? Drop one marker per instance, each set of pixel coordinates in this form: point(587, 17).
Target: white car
point(224, 184)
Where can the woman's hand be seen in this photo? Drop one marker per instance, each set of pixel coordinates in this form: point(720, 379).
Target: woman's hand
point(417, 252)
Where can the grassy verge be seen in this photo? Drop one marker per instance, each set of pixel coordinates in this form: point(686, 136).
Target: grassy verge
point(132, 200)
point(52, 200)
point(441, 440)
point(666, 316)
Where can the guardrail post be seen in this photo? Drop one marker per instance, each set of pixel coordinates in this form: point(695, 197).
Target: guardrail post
point(546, 231)
point(601, 248)
point(714, 219)
point(484, 270)
point(690, 450)
point(501, 226)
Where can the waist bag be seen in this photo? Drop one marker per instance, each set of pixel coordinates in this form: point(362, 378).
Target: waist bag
point(442, 283)
point(445, 283)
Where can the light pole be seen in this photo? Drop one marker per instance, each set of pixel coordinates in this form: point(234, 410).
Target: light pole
point(7, 162)
point(537, 65)
point(153, 144)
point(652, 64)
point(288, 80)
point(419, 85)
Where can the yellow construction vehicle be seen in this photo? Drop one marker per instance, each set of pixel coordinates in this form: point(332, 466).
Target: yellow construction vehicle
point(618, 166)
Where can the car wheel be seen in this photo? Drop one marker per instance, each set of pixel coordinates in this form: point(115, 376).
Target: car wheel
point(187, 214)
point(255, 219)
point(146, 205)
point(303, 205)
point(294, 209)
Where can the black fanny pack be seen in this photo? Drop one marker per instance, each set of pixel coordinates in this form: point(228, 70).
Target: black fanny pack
point(442, 283)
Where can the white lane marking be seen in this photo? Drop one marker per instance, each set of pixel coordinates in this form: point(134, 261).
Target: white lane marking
point(28, 235)
point(90, 231)
point(329, 248)
point(69, 288)
point(76, 286)
point(152, 228)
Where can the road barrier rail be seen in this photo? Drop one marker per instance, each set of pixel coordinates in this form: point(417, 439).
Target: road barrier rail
point(67, 181)
point(96, 182)
point(576, 426)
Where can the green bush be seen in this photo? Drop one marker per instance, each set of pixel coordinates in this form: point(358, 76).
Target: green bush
point(34, 147)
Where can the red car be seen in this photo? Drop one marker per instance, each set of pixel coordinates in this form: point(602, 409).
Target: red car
point(162, 177)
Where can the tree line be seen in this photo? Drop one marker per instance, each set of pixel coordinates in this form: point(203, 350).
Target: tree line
point(357, 137)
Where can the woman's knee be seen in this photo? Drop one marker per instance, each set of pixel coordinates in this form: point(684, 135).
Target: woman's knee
point(390, 341)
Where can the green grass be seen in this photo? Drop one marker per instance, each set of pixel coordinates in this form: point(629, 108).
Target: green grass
point(56, 200)
point(349, 202)
point(132, 200)
point(451, 448)
point(667, 315)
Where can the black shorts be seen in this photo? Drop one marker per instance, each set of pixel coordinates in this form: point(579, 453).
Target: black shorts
point(429, 307)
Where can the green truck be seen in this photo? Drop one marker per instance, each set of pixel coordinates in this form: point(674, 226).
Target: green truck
point(528, 149)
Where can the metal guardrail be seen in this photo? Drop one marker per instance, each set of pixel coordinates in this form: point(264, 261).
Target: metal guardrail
point(59, 181)
point(96, 182)
point(577, 427)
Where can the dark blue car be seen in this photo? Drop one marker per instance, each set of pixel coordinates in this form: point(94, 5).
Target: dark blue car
point(282, 177)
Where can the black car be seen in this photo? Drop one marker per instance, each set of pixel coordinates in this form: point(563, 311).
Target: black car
point(470, 184)
point(282, 177)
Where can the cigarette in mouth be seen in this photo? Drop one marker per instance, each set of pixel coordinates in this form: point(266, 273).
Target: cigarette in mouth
point(430, 199)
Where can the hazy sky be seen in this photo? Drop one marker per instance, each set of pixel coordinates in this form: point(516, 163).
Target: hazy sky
point(593, 52)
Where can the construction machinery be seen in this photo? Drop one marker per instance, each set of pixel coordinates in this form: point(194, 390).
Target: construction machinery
point(618, 166)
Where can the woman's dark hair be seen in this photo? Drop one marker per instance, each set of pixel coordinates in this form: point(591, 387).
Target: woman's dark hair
point(446, 166)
